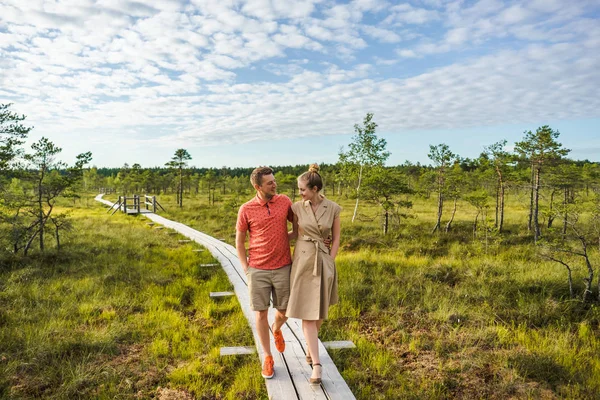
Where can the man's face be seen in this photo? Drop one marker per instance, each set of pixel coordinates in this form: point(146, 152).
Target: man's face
point(268, 186)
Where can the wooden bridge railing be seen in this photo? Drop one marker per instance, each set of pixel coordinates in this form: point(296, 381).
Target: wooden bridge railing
point(132, 204)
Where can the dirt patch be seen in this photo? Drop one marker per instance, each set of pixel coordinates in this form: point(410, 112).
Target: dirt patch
point(461, 367)
point(172, 394)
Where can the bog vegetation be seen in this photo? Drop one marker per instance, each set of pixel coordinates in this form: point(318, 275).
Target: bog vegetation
point(465, 278)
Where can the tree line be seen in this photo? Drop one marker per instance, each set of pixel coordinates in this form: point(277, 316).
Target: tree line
point(558, 190)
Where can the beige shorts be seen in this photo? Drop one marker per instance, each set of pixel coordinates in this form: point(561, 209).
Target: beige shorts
point(264, 283)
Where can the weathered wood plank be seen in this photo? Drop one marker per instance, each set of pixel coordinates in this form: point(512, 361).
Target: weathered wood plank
point(217, 295)
point(234, 351)
point(339, 344)
point(333, 383)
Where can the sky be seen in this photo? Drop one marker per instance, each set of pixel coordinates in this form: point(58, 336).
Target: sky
point(277, 82)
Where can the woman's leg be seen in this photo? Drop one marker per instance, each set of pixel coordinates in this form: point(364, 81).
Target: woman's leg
point(312, 340)
point(318, 323)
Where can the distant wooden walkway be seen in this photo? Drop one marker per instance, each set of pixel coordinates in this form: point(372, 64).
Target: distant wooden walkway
point(291, 370)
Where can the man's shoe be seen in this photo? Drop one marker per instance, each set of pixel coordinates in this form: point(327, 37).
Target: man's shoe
point(279, 342)
point(268, 371)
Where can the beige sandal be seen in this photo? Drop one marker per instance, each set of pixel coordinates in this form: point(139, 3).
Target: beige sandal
point(316, 381)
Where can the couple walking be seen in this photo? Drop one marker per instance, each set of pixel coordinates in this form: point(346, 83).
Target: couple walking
point(304, 288)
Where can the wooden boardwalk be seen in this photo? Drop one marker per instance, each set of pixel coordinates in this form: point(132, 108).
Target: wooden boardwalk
point(291, 370)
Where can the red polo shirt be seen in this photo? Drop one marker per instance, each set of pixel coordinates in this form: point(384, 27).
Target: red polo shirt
point(267, 223)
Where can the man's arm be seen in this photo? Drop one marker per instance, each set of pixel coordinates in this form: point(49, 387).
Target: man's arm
point(240, 246)
point(293, 234)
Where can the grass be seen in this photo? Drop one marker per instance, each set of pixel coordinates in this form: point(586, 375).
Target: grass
point(445, 315)
point(121, 311)
point(433, 316)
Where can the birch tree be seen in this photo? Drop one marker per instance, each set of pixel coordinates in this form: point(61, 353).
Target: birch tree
point(499, 160)
point(442, 158)
point(365, 151)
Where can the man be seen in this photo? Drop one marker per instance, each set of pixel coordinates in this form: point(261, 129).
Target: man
point(268, 265)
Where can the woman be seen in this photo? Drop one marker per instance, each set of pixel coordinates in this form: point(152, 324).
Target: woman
point(313, 281)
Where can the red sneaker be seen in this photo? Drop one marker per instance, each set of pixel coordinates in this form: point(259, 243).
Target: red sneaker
point(268, 371)
point(279, 342)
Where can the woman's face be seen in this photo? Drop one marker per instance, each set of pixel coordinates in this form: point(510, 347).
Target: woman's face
point(305, 192)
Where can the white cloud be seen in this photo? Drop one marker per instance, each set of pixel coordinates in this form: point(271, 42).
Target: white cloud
point(385, 61)
point(290, 36)
point(457, 36)
point(383, 35)
point(406, 53)
point(514, 15)
point(407, 14)
point(205, 70)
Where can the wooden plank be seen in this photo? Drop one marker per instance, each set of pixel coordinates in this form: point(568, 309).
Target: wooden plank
point(294, 358)
point(217, 295)
point(198, 250)
point(333, 383)
point(209, 265)
point(234, 351)
point(339, 344)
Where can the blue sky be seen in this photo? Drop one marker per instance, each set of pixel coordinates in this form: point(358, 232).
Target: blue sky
point(246, 83)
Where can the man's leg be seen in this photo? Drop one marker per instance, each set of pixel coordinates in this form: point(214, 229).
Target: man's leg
point(281, 295)
point(262, 328)
point(259, 286)
point(280, 319)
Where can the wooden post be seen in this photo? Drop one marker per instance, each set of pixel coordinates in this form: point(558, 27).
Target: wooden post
point(125, 204)
point(154, 204)
point(137, 197)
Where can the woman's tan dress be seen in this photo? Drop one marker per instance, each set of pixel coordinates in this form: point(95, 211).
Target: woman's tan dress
point(313, 280)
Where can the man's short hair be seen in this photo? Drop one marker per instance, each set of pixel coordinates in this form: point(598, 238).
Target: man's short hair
point(258, 173)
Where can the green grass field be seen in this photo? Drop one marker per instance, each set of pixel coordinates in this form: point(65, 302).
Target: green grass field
point(122, 310)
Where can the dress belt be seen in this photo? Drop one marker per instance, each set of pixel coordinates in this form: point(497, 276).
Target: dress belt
point(317, 243)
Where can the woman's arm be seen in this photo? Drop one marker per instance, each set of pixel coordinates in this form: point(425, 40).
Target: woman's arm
point(336, 229)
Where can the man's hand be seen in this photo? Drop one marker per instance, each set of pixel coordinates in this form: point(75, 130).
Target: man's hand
point(245, 265)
